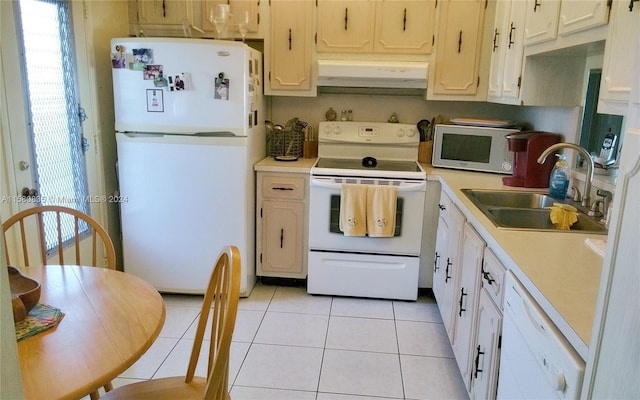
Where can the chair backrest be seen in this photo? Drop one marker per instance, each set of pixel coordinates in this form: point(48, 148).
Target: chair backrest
point(34, 217)
point(221, 300)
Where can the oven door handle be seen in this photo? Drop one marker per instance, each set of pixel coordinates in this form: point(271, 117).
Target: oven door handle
point(406, 187)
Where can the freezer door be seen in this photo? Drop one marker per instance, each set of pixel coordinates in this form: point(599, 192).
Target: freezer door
point(219, 80)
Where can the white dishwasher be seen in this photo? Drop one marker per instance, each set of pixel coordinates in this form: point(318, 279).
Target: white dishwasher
point(536, 361)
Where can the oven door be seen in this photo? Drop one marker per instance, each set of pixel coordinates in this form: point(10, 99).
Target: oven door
point(324, 214)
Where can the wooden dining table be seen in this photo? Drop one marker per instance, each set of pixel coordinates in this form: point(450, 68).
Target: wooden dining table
point(110, 319)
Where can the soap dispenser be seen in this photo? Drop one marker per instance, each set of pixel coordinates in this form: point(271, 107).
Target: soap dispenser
point(559, 179)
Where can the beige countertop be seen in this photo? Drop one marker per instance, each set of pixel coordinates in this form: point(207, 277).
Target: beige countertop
point(301, 165)
point(558, 269)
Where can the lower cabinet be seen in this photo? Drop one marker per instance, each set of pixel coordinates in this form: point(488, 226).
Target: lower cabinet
point(446, 266)
point(467, 301)
point(281, 227)
point(486, 347)
point(468, 283)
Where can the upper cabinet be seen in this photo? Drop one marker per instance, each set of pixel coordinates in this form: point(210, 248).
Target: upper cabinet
point(576, 16)
point(404, 26)
point(161, 17)
point(164, 12)
point(505, 74)
point(619, 63)
point(383, 26)
point(238, 8)
point(458, 51)
point(554, 24)
point(288, 53)
point(542, 21)
point(345, 26)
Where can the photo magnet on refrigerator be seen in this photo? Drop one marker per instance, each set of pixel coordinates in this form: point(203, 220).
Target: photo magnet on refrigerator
point(141, 57)
point(222, 87)
point(178, 82)
point(118, 59)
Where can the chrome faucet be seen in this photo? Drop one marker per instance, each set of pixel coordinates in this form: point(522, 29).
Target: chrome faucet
point(589, 178)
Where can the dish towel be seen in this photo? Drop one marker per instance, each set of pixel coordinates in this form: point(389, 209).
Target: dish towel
point(563, 216)
point(353, 210)
point(381, 210)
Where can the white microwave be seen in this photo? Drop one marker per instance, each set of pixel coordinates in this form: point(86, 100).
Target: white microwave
point(475, 148)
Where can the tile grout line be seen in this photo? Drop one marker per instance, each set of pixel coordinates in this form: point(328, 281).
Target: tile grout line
point(264, 313)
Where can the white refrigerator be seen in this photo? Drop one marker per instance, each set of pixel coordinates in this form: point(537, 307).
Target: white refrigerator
point(189, 127)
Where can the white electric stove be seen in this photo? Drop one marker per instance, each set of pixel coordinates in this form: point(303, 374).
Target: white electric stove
point(366, 153)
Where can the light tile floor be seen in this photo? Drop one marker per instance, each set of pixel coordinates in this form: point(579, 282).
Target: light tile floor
point(291, 345)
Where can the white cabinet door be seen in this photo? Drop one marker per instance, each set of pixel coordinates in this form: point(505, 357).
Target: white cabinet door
point(446, 274)
point(498, 50)
point(508, 50)
point(486, 354)
point(619, 63)
point(467, 300)
point(542, 21)
point(576, 16)
point(514, 53)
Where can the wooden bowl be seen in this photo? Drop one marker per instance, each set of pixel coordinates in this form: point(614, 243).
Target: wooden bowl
point(25, 293)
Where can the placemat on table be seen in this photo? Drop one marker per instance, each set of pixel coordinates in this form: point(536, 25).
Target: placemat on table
point(40, 318)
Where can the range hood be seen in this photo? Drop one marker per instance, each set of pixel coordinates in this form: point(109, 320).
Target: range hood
point(372, 74)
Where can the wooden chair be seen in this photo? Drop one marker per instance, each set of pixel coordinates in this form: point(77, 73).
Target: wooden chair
point(34, 218)
point(23, 221)
point(223, 291)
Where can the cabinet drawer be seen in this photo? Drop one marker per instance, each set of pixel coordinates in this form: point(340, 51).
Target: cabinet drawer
point(492, 276)
point(281, 187)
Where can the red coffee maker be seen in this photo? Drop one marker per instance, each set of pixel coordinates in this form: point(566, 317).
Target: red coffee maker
point(527, 147)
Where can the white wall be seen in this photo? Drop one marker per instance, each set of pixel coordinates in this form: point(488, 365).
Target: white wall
point(411, 109)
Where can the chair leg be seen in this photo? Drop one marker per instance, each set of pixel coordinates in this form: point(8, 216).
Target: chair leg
point(108, 387)
point(94, 395)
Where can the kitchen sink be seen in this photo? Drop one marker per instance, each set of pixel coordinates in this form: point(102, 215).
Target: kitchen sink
point(505, 198)
point(526, 211)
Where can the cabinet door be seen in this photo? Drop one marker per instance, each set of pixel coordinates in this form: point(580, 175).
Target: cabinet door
point(345, 26)
point(452, 270)
point(577, 16)
point(486, 354)
point(498, 50)
point(514, 53)
point(291, 45)
point(619, 63)
point(238, 7)
point(542, 21)
point(467, 300)
point(459, 44)
point(282, 227)
point(165, 11)
point(404, 26)
point(441, 273)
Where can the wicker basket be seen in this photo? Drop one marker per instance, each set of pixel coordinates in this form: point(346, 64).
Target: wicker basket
point(289, 141)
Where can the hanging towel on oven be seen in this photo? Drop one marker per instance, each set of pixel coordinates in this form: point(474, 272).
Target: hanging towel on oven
point(353, 210)
point(381, 210)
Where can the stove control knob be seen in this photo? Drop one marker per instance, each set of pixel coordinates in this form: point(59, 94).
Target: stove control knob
point(411, 132)
point(337, 130)
point(400, 132)
point(327, 129)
